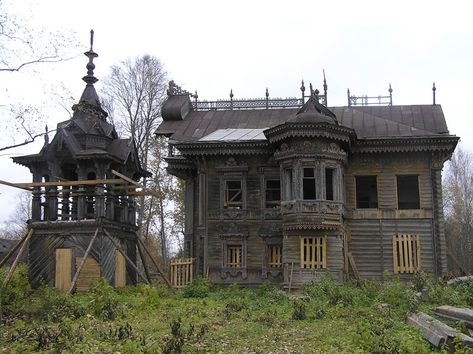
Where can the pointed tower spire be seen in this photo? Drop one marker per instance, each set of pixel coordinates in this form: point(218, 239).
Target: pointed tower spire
point(89, 102)
point(325, 90)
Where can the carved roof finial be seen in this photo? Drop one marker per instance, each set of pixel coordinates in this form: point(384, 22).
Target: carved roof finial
point(90, 79)
point(302, 86)
point(433, 92)
point(267, 93)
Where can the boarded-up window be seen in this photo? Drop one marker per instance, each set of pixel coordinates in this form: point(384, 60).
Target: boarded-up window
point(89, 275)
point(275, 256)
point(120, 270)
point(366, 192)
point(234, 254)
point(308, 184)
point(233, 195)
point(408, 192)
point(63, 276)
point(313, 252)
point(273, 193)
point(406, 253)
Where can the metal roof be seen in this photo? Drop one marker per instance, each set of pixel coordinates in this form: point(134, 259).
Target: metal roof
point(235, 135)
point(367, 121)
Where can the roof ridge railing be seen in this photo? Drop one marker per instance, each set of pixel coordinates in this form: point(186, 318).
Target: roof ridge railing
point(365, 100)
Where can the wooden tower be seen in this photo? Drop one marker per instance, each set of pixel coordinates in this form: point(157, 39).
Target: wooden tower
point(83, 217)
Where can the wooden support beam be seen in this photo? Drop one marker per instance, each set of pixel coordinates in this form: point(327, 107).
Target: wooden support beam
point(353, 266)
point(145, 266)
point(82, 263)
point(153, 193)
point(85, 182)
point(158, 267)
point(17, 259)
point(456, 314)
point(14, 185)
point(12, 250)
point(117, 246)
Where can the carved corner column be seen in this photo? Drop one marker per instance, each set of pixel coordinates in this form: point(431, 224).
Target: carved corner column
point(439, 242)
point(36, 200)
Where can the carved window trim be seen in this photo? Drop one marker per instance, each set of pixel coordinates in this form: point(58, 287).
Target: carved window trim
point(229, 242)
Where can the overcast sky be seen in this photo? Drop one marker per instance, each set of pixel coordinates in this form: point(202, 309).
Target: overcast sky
point(215, 46)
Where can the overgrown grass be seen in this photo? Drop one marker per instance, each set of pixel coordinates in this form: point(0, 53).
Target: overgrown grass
point(326, 317)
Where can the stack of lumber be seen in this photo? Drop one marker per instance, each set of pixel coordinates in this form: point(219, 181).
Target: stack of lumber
point(436, 332)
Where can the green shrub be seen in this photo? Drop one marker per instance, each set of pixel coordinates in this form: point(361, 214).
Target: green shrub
point(52, 305)
point(299, 310)
point(398, 295)
point(18, 288)
point(199, 288)
point(105, 301)
point(421, 280)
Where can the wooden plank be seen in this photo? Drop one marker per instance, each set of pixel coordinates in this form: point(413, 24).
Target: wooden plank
point(457, 313)
point(324, 255)
point(63, 273)
point(395, 255)
point(14, 185)
point(418, 253)
point(120, 270)
point(353, 266)
point(302, 251)
point(89, 274)
point(405, 254)
point(427, 330)
point(81, 265)
point(158, 267)
point(17, 259)
point(13, 250)
point(85, 182)
point(409, 244)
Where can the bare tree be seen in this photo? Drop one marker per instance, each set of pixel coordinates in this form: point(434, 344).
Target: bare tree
point(133, 94)
point(22, 46)
point(458, 205)
point(15, 227)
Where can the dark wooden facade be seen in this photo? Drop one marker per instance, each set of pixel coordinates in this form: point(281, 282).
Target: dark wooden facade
point(288, 190)
point(66, 214)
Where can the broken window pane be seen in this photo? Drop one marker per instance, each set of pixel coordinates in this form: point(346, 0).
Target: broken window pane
point(233, 195)
point(408, 192)
point(366, 192)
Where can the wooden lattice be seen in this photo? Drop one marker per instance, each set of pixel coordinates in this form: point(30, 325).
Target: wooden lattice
point(314, 252)
point(181, 272)
point(406, 254)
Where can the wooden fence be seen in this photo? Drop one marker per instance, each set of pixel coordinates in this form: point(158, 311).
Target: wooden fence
point(181, 272)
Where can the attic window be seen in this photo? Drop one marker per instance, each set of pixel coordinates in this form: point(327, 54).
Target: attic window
point(308, 184)
point(408, 192)
point(366, 192)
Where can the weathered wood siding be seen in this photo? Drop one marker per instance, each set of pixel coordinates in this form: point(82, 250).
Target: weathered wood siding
point(372, 230)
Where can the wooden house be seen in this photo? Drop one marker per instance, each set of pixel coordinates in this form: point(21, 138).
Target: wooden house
point(83, 218)
point(289, 189)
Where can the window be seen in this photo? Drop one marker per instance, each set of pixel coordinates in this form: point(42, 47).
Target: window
point(408, 192)
point(366, 192)
point(313, 252)
point(273, 193)
point(406, 254)
point(329, 173)
point(234, 256)
point(275, 256)
point(233, 195)
point(288, 183)
point(308, 184)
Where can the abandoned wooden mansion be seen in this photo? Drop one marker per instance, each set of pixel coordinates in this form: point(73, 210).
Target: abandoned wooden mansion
point(289, 189)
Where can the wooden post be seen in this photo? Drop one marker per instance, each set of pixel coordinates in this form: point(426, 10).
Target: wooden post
point(12, 251)
point(168, 283)
point(82, 263)
point(117, 246)
point(290, 277)
point(17, 259)
point(140, 252)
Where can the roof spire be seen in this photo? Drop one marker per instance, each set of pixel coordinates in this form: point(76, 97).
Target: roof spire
point(433, 93)
point(89, 97)
point(90, 79)
point(325, 89)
